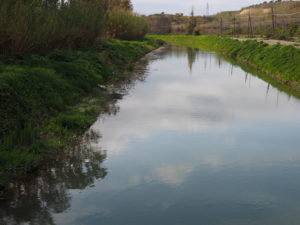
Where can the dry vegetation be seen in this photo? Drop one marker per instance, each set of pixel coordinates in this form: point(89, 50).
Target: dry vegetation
point(29, 26)
point(278, 20)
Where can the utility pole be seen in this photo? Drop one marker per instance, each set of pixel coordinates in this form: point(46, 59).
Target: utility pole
point(221, 26)
point(234, 20)
point(207, 9)
point(273, 19)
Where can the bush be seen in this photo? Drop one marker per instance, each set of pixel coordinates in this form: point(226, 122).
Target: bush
point(293, 29)
point(35, 26)
point(39, 26)
point(282, 33)
point(125, 25)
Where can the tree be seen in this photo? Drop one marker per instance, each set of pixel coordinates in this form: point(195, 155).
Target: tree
point(127, 5)
point(192, 23)
point(117, 4)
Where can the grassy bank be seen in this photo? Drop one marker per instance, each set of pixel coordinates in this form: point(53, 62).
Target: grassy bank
point(278, 61)
point(48, 99)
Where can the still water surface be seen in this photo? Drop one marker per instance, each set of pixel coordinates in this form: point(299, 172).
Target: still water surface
point(196, 141)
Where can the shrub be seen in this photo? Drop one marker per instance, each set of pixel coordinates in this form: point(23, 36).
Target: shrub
point(125, 25)
point(292, 30)
point(35, 26)
point(282, 33)
point(38, 93)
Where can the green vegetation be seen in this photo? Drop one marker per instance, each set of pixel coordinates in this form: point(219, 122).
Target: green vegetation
point(280, 62)
point(31, 26)
point(35, 26)
point(52, 56)
point(39, 95)
point(286, 33)
point(192, 23)
point(126, 26)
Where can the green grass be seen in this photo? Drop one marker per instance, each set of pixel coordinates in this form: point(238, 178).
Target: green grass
point(48, 99)
point(278, 61)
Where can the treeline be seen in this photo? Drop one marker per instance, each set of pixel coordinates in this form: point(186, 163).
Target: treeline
point(41, 25)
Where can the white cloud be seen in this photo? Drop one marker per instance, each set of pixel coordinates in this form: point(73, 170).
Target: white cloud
point(169, 101)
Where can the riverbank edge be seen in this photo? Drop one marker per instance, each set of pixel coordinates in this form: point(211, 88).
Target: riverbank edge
point(43, 133)
point(280, 63)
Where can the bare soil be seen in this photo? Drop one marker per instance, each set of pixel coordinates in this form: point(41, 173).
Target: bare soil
point(272, 42)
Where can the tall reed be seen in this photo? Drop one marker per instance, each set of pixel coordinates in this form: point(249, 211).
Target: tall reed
point(34, 26)
point(125, 25)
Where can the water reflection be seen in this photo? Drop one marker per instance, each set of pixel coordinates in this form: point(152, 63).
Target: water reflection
point(217, 148)
point(171, 101)
point(33, 200)
point(192, 53)
point(206, 149)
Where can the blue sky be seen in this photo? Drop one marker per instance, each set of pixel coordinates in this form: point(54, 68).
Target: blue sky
point(184, 6)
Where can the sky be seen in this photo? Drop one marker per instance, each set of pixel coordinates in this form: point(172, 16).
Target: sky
point(184, 6)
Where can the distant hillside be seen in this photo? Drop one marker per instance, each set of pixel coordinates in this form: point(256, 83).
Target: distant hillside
point(281, 6)
point(257, 19)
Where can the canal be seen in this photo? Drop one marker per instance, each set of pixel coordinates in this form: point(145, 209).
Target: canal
point(195, 140)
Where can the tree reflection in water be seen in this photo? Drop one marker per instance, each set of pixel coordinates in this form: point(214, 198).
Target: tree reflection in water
point(34, 199)
point(192, 54)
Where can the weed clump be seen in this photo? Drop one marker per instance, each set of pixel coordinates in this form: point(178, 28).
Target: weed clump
point(126, 26)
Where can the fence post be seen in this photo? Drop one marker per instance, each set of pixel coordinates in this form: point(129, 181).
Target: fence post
point(221, 26)
point(233, 32)
point(273, 20)
point(250, 28)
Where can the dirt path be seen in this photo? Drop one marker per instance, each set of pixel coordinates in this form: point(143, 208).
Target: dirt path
point(272, 42)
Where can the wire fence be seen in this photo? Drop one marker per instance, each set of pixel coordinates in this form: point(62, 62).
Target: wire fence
point(254, 24)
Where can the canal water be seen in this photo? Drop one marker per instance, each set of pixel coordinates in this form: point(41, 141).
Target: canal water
point(196, 140)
